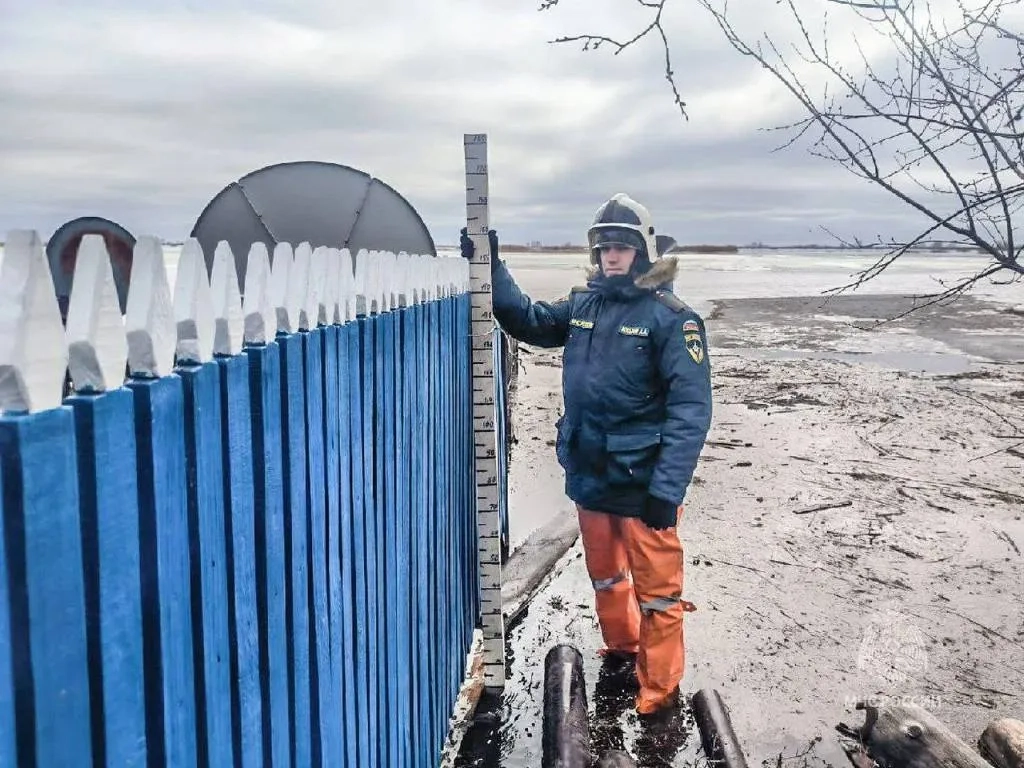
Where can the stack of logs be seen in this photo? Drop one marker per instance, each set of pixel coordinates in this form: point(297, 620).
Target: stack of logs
point(566, 734)
point(908, 736)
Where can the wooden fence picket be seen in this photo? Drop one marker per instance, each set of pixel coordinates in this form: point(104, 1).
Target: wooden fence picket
point(269, 492)
point(240, 533)
point(248, 537)
point(43, 555)
point(97, 349)
point(8, 723)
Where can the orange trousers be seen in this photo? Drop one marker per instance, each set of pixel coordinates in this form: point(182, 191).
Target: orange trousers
point(645, 615)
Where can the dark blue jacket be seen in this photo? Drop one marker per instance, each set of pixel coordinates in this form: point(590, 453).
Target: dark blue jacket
point(636, 381)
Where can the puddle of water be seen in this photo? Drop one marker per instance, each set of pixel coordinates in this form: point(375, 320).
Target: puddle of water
point(938, 363)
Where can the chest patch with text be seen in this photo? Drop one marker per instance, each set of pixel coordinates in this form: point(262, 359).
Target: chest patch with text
point(634, 330)
point(581, 323)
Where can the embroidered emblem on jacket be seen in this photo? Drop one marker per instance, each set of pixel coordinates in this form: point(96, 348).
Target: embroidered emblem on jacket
point(695, 347)
point(580, 323)
point(634, 330)
point(690, 326)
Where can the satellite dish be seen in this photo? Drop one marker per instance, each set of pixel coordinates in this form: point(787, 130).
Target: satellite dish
point(62, 253)
point(317, 202)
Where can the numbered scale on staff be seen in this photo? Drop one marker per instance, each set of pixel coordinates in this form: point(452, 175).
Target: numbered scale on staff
point(488, 489)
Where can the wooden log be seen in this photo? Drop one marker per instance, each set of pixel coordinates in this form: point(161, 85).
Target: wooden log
point(566, 735)
point(908, 736)
point(1002, 743)
point(616, 758)
point(721, 746)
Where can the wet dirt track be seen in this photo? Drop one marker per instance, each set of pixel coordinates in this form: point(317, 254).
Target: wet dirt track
point(853, 531)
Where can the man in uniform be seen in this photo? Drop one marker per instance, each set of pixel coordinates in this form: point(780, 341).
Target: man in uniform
point(637, 392)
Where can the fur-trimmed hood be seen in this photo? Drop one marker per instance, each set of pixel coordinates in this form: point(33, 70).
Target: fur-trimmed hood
point(663, 271)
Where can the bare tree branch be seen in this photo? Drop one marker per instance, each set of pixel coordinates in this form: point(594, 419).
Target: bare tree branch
point(594, 42)
point(935, 123)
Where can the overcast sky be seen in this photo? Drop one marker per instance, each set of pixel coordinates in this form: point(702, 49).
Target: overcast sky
point(141, 111)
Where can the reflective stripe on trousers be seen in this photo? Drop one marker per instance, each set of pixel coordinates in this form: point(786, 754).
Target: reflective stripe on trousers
point(600, 585)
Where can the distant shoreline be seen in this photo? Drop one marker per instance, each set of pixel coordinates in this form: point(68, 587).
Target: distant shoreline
point(512, 248)
point(731, 249)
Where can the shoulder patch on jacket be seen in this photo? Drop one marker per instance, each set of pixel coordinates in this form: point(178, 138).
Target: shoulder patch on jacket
point(694, 346)
point(671, 301)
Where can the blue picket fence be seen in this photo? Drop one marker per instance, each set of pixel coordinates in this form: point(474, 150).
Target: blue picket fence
point(267, 559)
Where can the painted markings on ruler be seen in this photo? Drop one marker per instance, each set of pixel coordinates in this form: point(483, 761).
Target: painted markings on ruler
point(483, 385)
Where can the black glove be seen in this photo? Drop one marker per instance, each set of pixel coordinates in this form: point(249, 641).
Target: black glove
point(659, 514)
point(468, 249)
point(466, 245)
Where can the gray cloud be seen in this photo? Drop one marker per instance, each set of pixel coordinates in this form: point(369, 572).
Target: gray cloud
point(143, 113)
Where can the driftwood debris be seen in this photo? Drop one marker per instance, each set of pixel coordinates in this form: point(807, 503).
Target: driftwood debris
point(1002, 743)
point(822, 507)
point(616, 758)
point(721, 747)
point(908, 736)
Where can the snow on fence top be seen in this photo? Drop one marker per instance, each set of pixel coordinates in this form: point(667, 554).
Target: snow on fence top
point(201, 316)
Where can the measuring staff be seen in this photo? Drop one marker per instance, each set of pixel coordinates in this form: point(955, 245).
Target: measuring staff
point(636, 382)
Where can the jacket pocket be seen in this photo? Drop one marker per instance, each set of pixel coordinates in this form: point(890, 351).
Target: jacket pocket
point(631, 457)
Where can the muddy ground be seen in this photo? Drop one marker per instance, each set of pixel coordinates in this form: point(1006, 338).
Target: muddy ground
point(855, 530)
